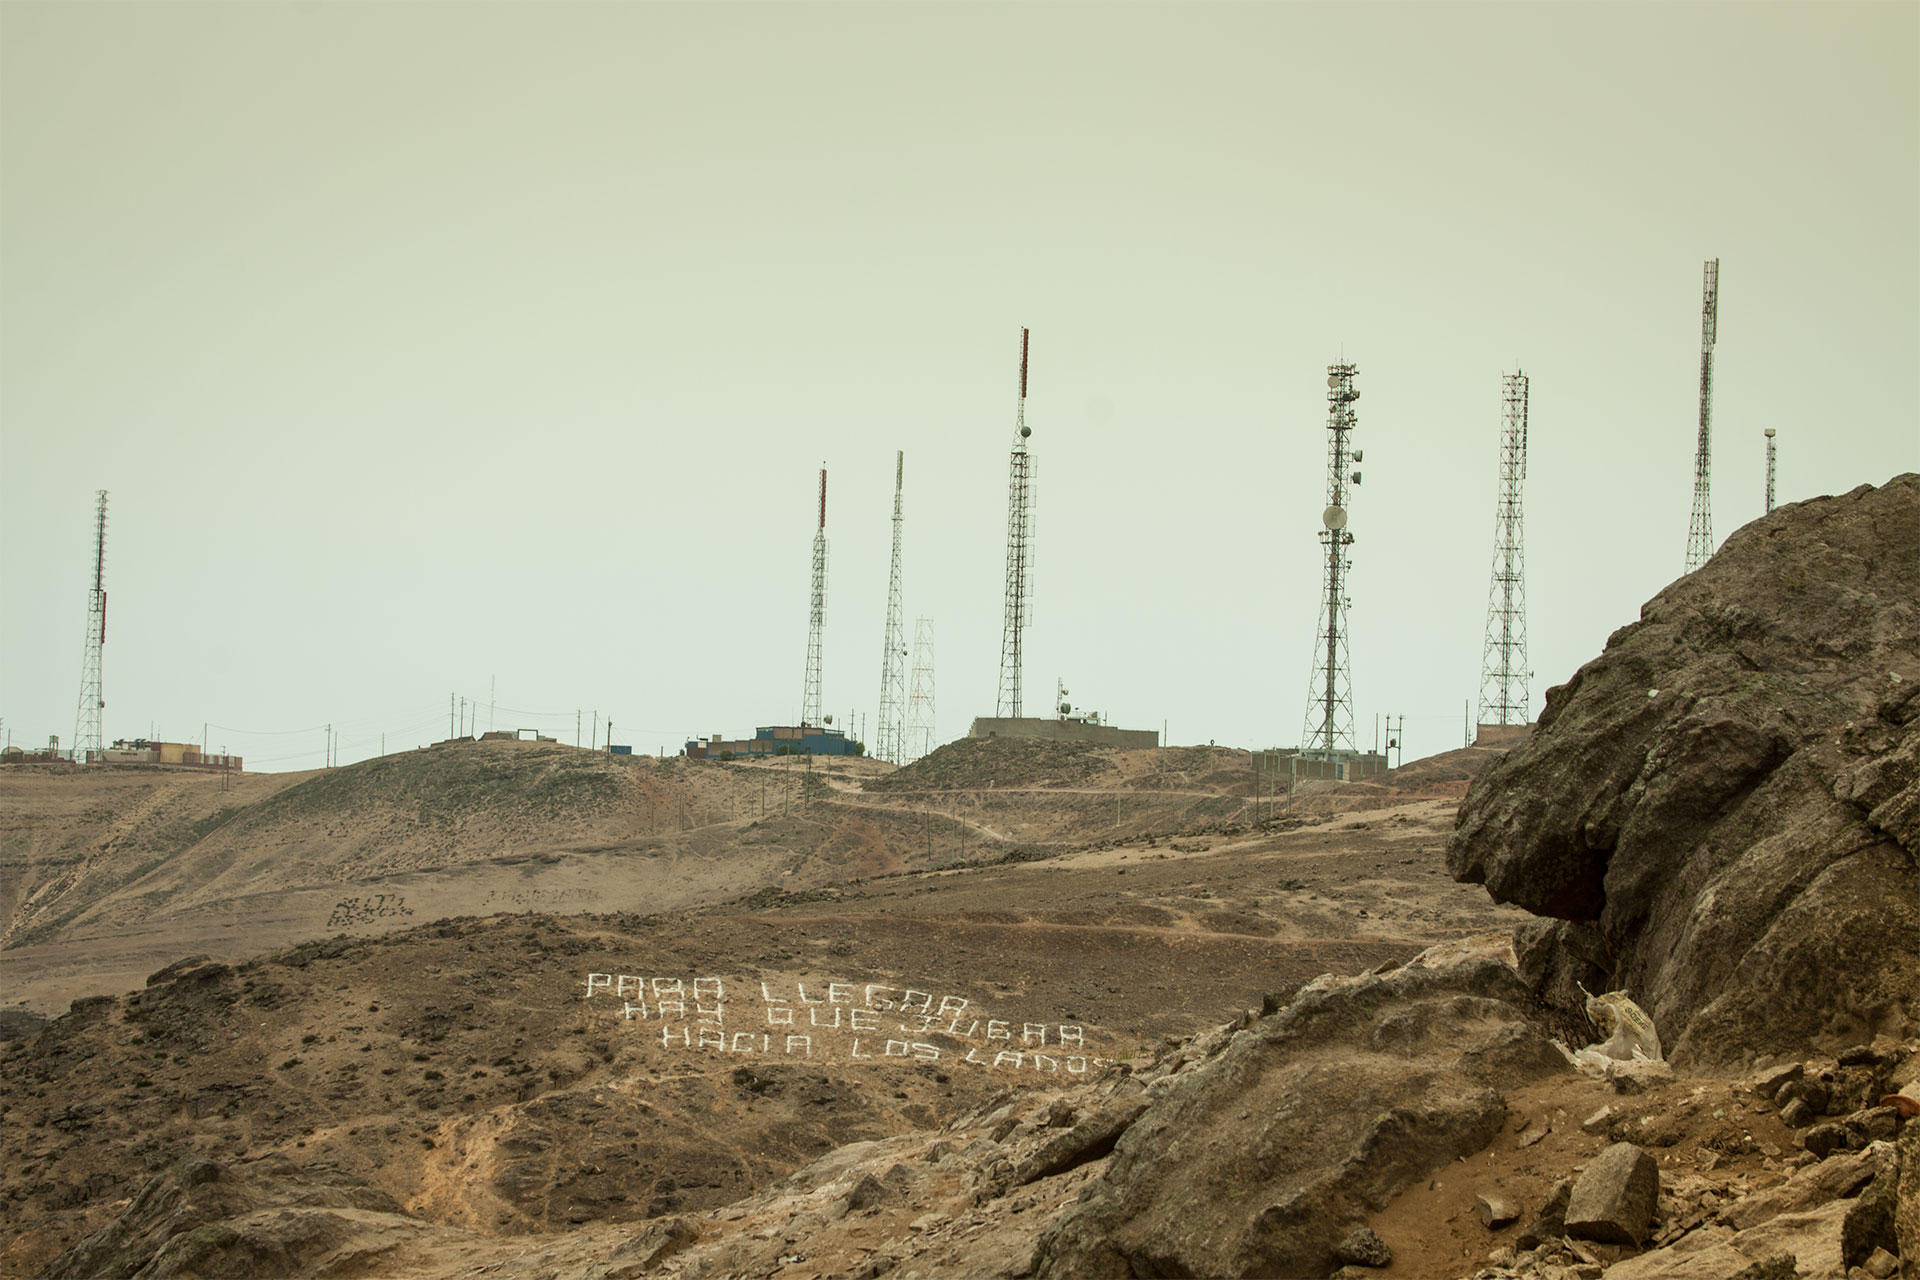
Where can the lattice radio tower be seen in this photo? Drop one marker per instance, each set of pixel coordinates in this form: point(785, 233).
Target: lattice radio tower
point(1019, 604)
point(889, 740)
point(86, 728)
point(920, 728)
point(1700, 527)
point(1769, 435)
point(816, 618)
point(1503, 660)
point(1329, 722)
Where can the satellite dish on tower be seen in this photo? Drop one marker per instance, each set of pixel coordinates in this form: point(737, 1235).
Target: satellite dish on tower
point(1335, 518)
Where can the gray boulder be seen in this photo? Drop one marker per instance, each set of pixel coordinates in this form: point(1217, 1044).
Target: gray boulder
point(1258, 1160)
point(1729, 795)
point(1615, 1196)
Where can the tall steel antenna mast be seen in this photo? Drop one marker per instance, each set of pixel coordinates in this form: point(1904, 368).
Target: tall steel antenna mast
point(810, 697)
point(1700, 528)
point(920, 726)
point(86, 728)
point(1019, 602)
point(888, 741)
point(1329, 722)
point(1769, 435)
point(1503, 662)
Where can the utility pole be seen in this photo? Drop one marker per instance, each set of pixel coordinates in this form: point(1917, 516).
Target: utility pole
point(1019, 585)
point(1700, 527)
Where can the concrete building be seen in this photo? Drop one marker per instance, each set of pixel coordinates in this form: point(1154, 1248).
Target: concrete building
point(1063, 729)
point(1328, 766)
point(141, 751)
point(778, 740)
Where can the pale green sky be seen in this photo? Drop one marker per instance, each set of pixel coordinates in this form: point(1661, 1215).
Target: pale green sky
point(421, 344)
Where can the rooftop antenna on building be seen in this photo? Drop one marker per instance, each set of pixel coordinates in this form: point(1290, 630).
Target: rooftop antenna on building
point(1503, 662)
point(891, 730)
point(817, 616)
point(1700, 527)
point(1769, 434)
point(86, 730)
point(1329, 721)
point(1019, 595)
point(920, 726)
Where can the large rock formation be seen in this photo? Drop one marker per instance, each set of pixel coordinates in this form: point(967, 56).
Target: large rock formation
point(1264, 1158)
point(1725, 804)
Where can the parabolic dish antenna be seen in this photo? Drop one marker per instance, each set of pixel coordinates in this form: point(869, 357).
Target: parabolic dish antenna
point(1334, 518)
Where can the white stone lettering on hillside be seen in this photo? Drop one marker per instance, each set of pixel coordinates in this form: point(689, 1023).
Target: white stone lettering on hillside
point(835, 1021)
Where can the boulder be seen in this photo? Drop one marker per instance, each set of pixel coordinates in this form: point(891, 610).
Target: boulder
point(1258, 1160)
point(1729, 795)
point(1615, 1196)
point(1363, 1247)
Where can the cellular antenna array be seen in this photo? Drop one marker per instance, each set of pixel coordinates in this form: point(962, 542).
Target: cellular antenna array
point(1503, 662)
point(889, 741)
point(1700, 527)
point(86, 730)
point(1019, 597)
point(1329, 721)
point(816, 620)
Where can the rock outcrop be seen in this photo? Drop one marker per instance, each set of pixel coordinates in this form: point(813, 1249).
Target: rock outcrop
point(1727, 799)
point(1262, 1159)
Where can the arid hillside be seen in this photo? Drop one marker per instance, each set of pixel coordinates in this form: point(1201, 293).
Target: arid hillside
point(111, 872)
point(525, 1074)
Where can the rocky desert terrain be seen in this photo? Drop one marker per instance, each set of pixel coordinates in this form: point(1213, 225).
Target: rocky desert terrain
point(1018, 1009)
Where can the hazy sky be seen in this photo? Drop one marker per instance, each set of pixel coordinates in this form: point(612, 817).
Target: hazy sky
point(423, 345)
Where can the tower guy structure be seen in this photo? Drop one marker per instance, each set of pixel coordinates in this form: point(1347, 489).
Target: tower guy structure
point(1329, 722)
point(889, 738)
point(920, 728)
point(1769, 435)
point(86, 729)
point(1700, 527)
point(1503, 660)
point(816, 619)
point(1019, 600)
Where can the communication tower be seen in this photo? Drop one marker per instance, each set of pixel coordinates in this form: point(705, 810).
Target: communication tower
point(1503, 662)
point(920, 727)
point(893, 658)
point(810, 697)
point(86, 730)
point(1329, 721)
point(1019, 602)
point(1700, 528)
point(1769, 435)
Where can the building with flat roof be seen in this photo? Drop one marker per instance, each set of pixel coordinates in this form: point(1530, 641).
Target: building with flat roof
point(778, 740)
